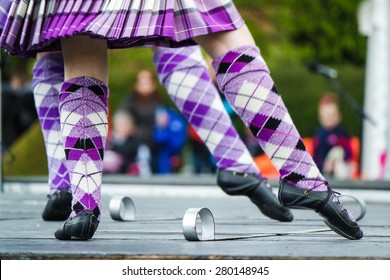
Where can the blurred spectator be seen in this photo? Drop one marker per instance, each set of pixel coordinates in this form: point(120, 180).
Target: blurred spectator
point(332, 142)
point(162, 129)
point(170, 134)
point(125, 153)
point(18, 109)
point(142, 104)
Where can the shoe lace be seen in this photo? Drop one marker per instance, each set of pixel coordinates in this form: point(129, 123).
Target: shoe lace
point(336, 195)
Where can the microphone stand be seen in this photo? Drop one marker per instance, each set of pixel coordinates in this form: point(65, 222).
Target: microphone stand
point(337, 87)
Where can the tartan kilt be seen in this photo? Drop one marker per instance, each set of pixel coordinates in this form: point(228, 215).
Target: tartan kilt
point(31, 26)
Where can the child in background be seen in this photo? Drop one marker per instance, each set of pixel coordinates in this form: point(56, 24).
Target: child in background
point(170, 136)
point(332, 142)
point(125, 153)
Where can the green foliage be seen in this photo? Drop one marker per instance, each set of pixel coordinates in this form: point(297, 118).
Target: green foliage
point(27, 156)
point(323, 30)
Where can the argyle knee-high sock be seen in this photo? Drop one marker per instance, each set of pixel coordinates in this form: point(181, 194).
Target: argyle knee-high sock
point(84, 125)
point(47, 79)
point(244, 78)
point(185, 76)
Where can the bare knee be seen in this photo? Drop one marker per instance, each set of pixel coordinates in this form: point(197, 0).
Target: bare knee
point(217, 44)
point(85, 56)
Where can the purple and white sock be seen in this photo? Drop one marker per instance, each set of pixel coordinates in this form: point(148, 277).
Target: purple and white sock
point(84, 125)
point(184, 73)
point(244, 78)
point(47, 79)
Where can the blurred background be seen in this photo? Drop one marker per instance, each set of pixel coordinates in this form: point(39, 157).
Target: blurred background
point(291, 36)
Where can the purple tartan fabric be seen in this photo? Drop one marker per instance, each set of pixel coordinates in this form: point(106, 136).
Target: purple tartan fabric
point(84, 125)
point(4, 9)
point(48, 77)
point(184, 73)
point(34, 26)
point(244, 78)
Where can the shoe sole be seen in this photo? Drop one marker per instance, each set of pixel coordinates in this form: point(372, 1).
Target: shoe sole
point(340, 232)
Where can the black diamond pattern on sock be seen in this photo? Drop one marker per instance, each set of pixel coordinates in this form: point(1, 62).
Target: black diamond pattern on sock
point(272, 123)
point(275, 90)
point(294, 177)
point(73, 88)
point(300, 146)
point(67, 151)
point(223, 67)
point(84, 144)
point(245, 58)
point(101, 153)
point(78, 207)
point(97, 90)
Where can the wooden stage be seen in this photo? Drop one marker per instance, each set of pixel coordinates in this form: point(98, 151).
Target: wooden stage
point(156, 233)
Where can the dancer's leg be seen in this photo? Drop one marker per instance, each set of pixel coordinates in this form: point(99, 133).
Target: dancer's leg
point(48, 75)
point(185, 76)
point(244, 78)
point(83, 111)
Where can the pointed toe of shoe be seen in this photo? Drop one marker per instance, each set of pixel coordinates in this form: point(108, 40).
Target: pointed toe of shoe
point(326, 204)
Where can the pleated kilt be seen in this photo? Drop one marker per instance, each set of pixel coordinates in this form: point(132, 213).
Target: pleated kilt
point(31, 26)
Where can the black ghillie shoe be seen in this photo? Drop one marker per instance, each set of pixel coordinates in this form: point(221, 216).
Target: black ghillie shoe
point(259, 191)
point(81, 227)
point(326, 204)
point(58, 206)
